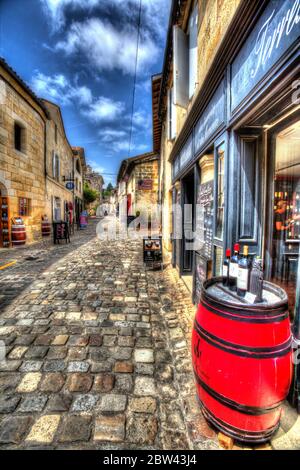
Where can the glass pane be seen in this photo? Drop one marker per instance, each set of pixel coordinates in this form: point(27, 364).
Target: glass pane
point(220, 194)
point(286, 225)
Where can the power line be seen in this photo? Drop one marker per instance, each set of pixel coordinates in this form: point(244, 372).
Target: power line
point(135, 74)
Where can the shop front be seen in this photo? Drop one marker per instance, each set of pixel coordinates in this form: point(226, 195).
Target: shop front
point(237, 177)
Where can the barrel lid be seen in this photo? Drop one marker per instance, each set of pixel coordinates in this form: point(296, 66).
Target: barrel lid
point(274, 297)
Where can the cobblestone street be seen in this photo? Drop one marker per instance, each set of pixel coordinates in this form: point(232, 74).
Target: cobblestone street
point(97, 351)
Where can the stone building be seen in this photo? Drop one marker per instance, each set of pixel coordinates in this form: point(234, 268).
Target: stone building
point(79, 169)
point(37, 163)
point(23, 123)
point(60, 200)
point(138, 183)
point(230, 155)
point(96, 182)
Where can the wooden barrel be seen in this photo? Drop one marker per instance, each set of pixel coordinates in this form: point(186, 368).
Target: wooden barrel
point(46, 228)
point(18, 234)
point(242, 361)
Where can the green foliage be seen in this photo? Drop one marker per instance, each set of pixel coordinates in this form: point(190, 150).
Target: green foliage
point(90, 195)
point(107, 191)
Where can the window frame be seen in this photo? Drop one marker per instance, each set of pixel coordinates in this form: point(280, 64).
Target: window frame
point(27, 206)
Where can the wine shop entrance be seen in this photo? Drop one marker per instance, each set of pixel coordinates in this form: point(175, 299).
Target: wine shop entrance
point(188, 226)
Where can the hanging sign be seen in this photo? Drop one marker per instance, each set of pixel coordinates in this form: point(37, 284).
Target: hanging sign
point(70, 185)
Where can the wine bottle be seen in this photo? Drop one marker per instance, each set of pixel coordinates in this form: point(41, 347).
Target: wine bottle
point(226, 268)
point(233, 268)
point(243, 273)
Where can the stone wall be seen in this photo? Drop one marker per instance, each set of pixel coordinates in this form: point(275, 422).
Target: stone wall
point(22, 173)
point(146, 198)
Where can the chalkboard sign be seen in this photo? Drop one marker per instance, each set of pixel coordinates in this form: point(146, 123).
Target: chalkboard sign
point(205, 206)
point(201, 275)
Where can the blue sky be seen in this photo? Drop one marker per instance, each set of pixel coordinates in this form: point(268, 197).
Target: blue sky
point(81, 55)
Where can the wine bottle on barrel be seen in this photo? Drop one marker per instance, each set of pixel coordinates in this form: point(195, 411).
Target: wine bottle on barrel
point(226, 265)
point(243, 273)
point(233, 268)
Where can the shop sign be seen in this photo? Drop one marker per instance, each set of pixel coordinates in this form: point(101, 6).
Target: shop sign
point(146, 184)
point(70, 185)
point(277, 29)
point(211, 119)
point(186, 153)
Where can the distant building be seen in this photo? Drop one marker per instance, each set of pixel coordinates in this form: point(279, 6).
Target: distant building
point(96, 182)
point(79, 174)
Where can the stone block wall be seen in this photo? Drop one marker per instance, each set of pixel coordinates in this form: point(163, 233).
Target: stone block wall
point(22, 173)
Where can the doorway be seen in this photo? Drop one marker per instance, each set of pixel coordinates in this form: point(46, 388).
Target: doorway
point(188, 211)
point(4, 218)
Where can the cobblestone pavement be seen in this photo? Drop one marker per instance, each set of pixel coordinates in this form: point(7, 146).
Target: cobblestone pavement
point(98, 353)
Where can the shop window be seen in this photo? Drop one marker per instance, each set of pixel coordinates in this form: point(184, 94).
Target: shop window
point(220, 194)
point(185, 60)
point(286, 212)
point(19, 137)
point(24, 206)
point(171, 113)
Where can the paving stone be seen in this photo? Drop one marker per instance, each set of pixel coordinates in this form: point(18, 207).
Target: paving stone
point(8, 403)
point(36, 352)
point(33, 403)
point(144, 355)
point(123, 367)
point(144, 369)
point(44, 429)
point(56, 353)
point(29, 382)
point(144, 386)
point(75, 428)
point(31, 366)
point(123, 383)
point(103, 383)
point(84, 403)
point(9, 365)
point(60, 340)
point(54, 366)
point(52, 382)
point(59, 402)
point(142, 405)
point(101, 366)
point(24, 340)
point(17, 352)
point(9, 381)
point(78, 340)
point(14, 428)
point(141, 429)
point(110, 428)
point(43, 340)
point(78, 366)
point(113, 403)
point(95, 340)
point(79, 382)
point(77, 353)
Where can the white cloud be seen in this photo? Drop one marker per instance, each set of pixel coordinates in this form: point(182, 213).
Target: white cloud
point(110, 135)
point(104, 109)
point(58, 88)
point(109, 48)
point(155, 13)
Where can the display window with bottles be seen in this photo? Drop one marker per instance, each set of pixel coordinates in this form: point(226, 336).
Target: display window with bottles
point(284, 227)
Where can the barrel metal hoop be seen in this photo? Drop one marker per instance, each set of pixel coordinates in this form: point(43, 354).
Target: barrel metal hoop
point(250, 309)
point(236, 433)
point(244, 409)
point(244, 317)
point(241, 350)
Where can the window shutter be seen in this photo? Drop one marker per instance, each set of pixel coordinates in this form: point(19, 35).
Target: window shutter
point(193, 51)
point(173, 114)
point(181, 67)
point(169, 111)
point(53, 164)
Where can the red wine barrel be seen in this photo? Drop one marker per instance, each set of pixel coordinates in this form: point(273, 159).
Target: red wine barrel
point(242, 361)
point(46, 229)
point(18, 234)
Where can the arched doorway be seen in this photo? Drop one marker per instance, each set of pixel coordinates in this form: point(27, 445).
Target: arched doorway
point(4, 217)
